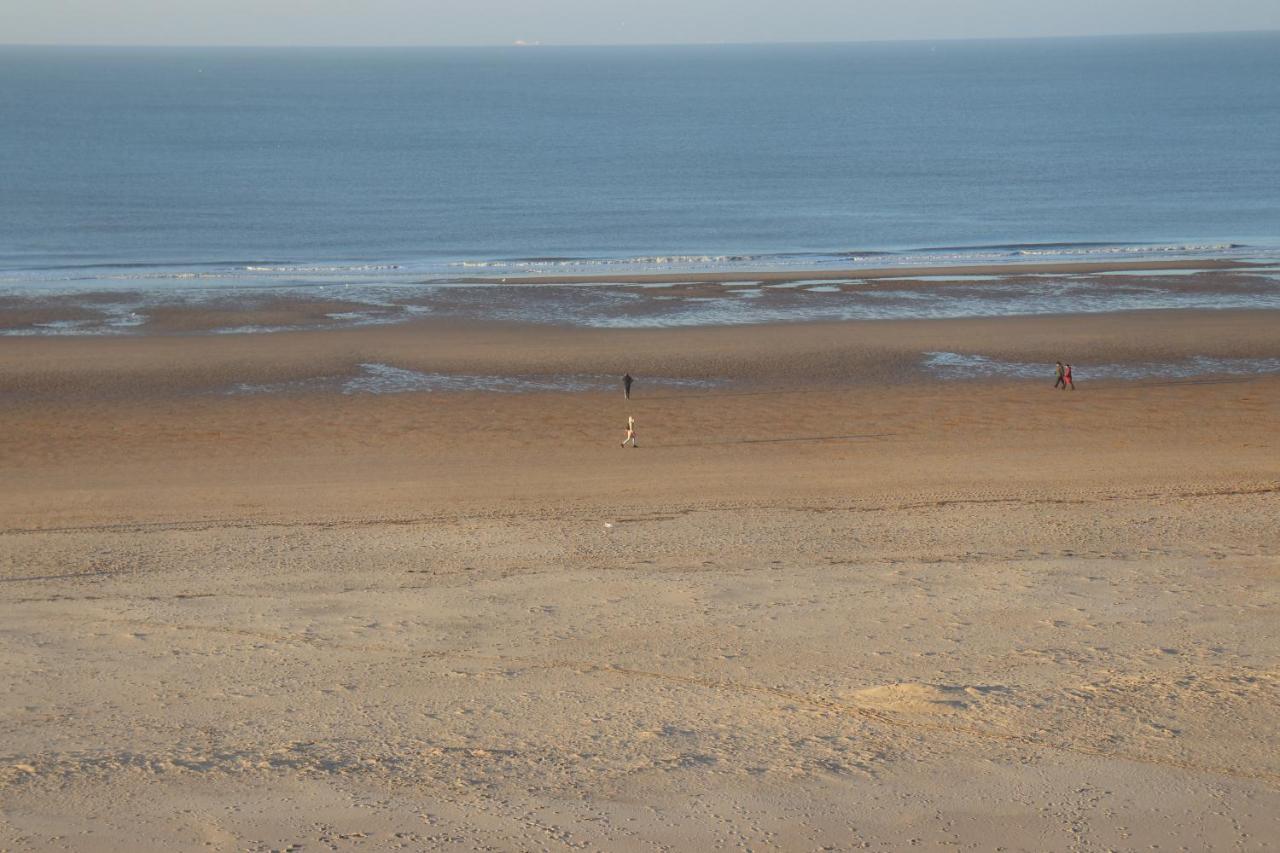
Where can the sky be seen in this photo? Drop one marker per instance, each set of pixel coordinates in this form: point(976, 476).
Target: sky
point(496, 22)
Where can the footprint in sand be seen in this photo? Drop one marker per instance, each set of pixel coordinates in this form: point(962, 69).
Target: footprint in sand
point(917, 698)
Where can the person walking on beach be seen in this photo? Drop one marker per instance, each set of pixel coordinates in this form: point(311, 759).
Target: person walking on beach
point(1060, 373)
point(1067, 380)
point(631, 432)
point(626, 385)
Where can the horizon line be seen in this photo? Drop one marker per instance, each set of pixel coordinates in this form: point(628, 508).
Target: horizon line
point(535, 43)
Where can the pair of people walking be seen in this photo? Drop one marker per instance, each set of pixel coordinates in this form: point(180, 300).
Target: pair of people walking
point(1064, 380)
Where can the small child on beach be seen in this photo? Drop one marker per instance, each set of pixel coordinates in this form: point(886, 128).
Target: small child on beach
point(631, 432)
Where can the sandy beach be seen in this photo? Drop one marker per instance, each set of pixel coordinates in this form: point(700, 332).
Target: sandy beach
point(831, 602)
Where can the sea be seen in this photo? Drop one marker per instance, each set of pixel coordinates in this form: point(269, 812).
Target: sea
point(191, 173)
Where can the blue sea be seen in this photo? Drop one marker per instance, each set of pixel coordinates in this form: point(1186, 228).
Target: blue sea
point(162, 169)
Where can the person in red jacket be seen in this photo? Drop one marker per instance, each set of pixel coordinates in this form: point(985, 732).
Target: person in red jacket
point(1066, 378)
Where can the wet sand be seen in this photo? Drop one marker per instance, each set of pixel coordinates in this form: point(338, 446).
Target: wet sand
point(806, 354)
point(833, 604)
point(646, 301)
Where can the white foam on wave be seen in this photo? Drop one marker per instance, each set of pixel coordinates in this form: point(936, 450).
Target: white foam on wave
point(321, 269)
point(904, 257)
point(1169, 249)
point(576, 263)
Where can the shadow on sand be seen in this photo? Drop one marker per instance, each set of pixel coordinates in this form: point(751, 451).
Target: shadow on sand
point(1221, 380)
point(799, 438)
point(719, 394)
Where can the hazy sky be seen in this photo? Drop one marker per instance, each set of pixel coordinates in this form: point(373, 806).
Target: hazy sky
point(456, 22)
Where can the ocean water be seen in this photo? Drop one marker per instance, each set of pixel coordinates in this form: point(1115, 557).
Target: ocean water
point(156, 170)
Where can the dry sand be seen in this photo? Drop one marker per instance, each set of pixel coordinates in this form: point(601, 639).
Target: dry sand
point(831, 605)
